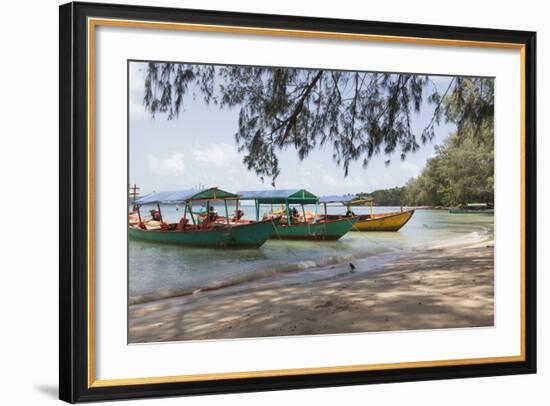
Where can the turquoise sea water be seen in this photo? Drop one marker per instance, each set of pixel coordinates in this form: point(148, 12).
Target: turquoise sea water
point(159, 270)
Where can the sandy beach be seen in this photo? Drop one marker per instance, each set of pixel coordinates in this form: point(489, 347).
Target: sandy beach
point(445, 287)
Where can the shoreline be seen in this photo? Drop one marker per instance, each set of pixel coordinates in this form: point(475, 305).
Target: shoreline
point(299, 268)
point(450, 286)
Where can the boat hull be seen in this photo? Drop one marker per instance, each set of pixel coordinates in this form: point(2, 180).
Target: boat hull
point(250, 235)
point(383, 222)
point(466, 211)
point(330, 230)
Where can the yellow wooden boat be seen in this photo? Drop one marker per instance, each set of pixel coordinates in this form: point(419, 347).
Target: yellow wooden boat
point(392, 221)
point(383, 221)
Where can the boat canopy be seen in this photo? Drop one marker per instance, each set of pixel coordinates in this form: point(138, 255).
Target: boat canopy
point(337, 198)
point(180, 196)
point(291, 196)
point(477, 205)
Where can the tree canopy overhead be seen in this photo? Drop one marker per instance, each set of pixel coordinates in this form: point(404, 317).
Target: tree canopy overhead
point(357, 114)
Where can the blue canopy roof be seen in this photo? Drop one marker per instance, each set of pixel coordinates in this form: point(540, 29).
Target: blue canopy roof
point(174, 196)
point(336, 198)
point(179, 196)
point(297, 196)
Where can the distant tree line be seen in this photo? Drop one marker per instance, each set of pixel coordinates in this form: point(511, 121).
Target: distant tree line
point(386, 197)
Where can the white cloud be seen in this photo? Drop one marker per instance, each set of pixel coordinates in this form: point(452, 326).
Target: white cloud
point(217, 155)
point(137, 111)
point(319, 179)
point(410, 168)
point(382, 181)
point(136, 88)
point(340, 181)
point(172, 166)
point(387, 179)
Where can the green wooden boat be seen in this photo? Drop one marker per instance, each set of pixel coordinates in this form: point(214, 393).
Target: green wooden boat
point(249, 235)
point(292, 228)
point(199, 232)
point(323, 230)
point(473, 208)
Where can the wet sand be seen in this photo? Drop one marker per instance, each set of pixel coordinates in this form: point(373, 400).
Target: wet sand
point(446, 287)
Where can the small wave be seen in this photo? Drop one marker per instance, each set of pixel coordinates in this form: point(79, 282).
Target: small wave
point(241, 279)
point(471, 238)
point(374, 261)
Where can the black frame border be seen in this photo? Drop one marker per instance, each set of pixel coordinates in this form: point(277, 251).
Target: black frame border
point(73, 196)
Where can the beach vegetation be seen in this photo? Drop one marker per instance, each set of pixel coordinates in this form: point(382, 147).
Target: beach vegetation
point(461, 172)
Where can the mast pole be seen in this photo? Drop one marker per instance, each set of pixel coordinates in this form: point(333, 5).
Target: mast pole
point(226, 211)
point(191, 213)
point(288, 219)
point(160, 213)
point(371, 215)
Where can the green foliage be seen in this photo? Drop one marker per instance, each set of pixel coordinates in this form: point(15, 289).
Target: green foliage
point(471, 106)
point(386, 197)
point(357, 114)
point(461, 172)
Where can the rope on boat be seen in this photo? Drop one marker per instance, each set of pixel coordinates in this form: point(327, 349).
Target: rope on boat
point(275, 228)
point(280, 238)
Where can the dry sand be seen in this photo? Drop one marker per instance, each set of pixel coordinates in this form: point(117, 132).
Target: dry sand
point(448, 287)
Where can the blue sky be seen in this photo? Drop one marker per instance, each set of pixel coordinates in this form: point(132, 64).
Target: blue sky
point(199, 148)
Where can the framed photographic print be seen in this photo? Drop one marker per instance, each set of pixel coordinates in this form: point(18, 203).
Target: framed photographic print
point(256, 202)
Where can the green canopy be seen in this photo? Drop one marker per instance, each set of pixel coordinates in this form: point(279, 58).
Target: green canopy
point(477, 205)
point(290, 196)
point(213, 193)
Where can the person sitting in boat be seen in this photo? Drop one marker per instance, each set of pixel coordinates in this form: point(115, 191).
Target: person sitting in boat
point(239, 214)
point(350, 213)
point(295, 213)
point(206, 223)
point(182, 224)
point(155, 214)
point(212, 215)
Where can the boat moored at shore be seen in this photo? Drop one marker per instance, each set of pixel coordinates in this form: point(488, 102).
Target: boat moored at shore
point(391, 221)
point(295, 225)
point(473, 208)
point(246, 235)
point(204, 230)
